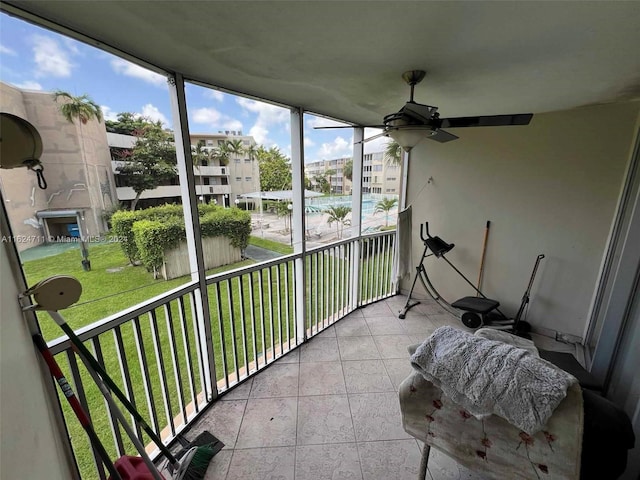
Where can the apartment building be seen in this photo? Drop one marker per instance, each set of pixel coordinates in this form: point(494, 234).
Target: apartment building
point(215, 182)
point(77, 168)
point(379, 176)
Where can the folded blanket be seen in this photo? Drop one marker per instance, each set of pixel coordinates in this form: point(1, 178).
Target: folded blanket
point(490, 377)
point(506, 337)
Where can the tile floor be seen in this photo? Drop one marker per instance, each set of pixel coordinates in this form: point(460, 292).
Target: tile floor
point(329, 410)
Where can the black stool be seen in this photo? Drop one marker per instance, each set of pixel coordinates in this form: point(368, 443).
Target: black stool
point(475, 309)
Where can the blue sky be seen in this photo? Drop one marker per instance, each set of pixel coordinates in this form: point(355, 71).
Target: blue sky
point(38, 59)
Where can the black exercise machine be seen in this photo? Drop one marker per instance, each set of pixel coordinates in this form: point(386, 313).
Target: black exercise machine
point(478, 311)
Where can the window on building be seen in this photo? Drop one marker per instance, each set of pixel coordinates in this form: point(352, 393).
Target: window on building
point(206, 180)
point(391, 179)
point(237, 160)
point(247, 160)
point(247, 179)
point(209, 143)
point(246, 142)
point(238, 179)
point(377, 168)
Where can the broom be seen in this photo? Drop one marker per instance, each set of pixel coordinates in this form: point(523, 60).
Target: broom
point(62, 291)
point(70, 395)
point(194, 463)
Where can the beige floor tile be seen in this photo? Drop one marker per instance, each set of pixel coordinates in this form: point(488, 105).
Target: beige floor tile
point(393, 459)
point(376, 416)
point(358, 348)
point(268, 422)
point(240, 392)
point(278, 380)
point(328, 462)
point(393, 346)
point(384, 325)
point(352, 327)
point(223, 420)
point(219, 465)
point(322, 378)
point(365, 376)
point(263, 464)
point(324, 419)
point(398, 369)
point(320, 350)
point(378, 309)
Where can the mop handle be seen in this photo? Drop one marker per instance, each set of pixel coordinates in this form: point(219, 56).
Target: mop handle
point(123, 421)
point(69, 394)
point(112, 385)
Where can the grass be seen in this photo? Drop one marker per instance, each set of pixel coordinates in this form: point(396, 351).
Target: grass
point(113, 285)
point(270, 245)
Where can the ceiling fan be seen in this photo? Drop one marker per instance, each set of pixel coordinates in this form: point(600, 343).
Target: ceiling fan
point(415, 121)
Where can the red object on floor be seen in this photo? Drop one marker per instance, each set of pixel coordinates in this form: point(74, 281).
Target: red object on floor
point(132, 468)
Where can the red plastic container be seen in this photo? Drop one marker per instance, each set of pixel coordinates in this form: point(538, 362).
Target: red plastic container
point(132, 468)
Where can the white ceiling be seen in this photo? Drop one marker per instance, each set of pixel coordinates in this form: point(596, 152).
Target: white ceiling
point(345, 59)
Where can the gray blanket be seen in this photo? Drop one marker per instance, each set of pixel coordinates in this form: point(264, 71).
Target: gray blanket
point(489, 377)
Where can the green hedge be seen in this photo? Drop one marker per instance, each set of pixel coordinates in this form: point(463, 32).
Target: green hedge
point(145, 234)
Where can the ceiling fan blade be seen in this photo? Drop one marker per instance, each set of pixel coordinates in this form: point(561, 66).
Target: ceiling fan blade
point(487, 121)
point(442, 136)
point(374, 137)
point(350, 126)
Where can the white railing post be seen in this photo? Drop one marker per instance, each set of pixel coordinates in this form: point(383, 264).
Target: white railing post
point(299, 245)
point(192, 227)
point(356, 211)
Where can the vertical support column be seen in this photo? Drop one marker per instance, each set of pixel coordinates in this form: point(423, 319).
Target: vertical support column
point(356, 212)
point(299, 245)
point(404, 162)
point(192, 226)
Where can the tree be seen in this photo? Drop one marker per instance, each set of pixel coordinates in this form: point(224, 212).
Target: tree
point(385, 205)
point(393, 153)
point(235, 147)
point(275, 169)
point(347, 170)
point(84, 109)
point(321, 183)
point(127, 123)
point(199, 156)
point(152, 161)
point(221, 154)
point(329, 173)
point(78, 108)
point(338, 214)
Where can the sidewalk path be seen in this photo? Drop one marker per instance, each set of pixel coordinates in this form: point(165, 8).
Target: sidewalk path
point(260, 254)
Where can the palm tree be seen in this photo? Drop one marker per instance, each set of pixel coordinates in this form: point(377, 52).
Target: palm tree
point(84, 109)
point(329, 173)
point(199, 156)
point(385, 205)
point(235, 147)
point(347, 170)
point(221, 154)
point(393, 153)
point(338, 214)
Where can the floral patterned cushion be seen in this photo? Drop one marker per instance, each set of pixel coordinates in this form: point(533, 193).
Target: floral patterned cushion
point(494, 447)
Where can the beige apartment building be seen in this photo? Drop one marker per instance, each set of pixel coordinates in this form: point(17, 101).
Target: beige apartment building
point(220, 184)
point(77, 168)
point(378, 176)
point(82, 179)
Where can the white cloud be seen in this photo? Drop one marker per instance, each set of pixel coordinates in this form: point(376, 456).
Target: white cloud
point(268, 116)
point(338, 148)
point(152, 112)
point(216, 95)
point(108, 114)
point(50, 57)
point(215, 119)
point(129, 69)
point(29, 85)
point(308, 142)
point(377, 145)
point(7, 50)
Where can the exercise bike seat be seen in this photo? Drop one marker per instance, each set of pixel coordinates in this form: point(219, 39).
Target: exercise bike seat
point(478, 305)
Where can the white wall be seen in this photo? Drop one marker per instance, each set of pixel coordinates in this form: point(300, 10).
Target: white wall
point(550, 187)
point(31, 445)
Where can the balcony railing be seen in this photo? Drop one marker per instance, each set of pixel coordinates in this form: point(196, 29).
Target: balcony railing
point(171, 363)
